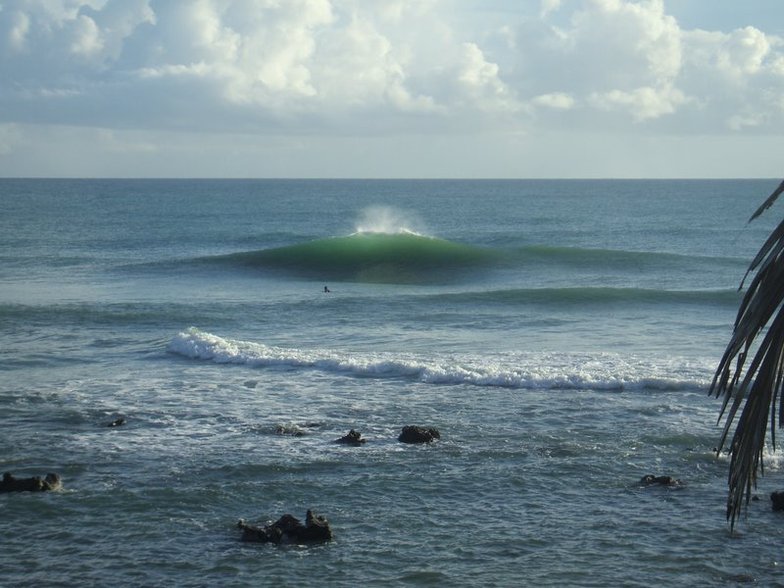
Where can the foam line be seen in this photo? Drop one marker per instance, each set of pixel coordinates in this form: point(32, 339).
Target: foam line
point(526, 370)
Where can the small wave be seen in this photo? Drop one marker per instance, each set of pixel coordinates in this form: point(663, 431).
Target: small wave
point(524, 370)
point(401, 257)
point(594, 295)
point(578, 256)
point(102, 314)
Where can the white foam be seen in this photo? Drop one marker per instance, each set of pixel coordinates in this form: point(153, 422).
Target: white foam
point(601, 371)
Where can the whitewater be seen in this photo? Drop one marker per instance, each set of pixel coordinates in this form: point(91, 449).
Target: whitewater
point(561, 336)
point(529, 370)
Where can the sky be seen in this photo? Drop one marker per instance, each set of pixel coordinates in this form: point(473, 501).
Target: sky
point(392, 88)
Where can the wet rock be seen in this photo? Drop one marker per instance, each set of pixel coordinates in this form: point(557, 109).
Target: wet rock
point(415, 434)
point(651, 480)
point(10, 483)
point(288, 529)
point(352, 438)
point(294, 429)
point(777, 500)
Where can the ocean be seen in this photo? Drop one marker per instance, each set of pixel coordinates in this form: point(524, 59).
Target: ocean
point(560, 334)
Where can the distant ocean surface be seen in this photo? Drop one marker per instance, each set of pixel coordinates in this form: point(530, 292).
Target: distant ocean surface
point(561, 335)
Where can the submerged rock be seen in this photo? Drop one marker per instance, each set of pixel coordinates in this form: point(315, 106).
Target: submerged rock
point(415, 434)
point(651, 480)
point(35, 484)
point(294, 429)
point(352, 438)
point(289, 529)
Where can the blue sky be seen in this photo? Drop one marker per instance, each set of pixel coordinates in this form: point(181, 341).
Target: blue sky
point(391, 88)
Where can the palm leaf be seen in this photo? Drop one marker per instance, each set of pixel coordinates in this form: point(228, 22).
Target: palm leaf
point(755, 390)
point(769, 202)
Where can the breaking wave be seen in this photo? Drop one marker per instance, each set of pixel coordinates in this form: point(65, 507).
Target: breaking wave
point(555, 371)
point(400, 257)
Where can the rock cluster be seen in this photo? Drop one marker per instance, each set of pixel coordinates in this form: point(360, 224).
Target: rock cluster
point(289, 529)
point(651, 480)
point(10, 483)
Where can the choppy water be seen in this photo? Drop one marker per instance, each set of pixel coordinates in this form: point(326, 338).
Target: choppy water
point(560, 334)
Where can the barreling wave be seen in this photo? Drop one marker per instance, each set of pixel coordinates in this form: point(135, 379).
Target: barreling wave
point(403, 257)
point(602, 371)
point(408, 257)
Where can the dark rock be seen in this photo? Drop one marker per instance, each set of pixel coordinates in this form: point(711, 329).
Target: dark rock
point(316, 529)
point(651, 480)
point(288, 529)
point(777, 500)
point(352, 438)
point(117, 422)
point(414, 434)
point(35, 484)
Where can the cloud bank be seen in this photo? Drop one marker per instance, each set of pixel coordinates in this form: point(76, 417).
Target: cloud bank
point(335, 69)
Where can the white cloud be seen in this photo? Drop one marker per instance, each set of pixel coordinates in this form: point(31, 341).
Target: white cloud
point(549, 6)
point(9, 138)
point(735, 55)
point(87, 37)
point(481, 80)
point(370, 58)
point(745, 50)
point(641, 103)
point(736, 78)
point(19, 27)
point(738, 122)
point(555, 100)
point(628, 54)
point(323, 68)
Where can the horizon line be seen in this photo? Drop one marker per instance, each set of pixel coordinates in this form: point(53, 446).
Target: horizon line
point(388, 179)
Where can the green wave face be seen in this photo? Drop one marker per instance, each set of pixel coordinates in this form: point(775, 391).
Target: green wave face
point(374, 257)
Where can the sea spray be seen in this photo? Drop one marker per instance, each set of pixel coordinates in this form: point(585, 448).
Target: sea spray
point(388, 220)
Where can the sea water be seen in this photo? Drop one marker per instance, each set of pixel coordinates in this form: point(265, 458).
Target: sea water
point(561, 335)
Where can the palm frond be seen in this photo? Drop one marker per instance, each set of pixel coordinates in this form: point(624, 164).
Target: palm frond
point(754, 390)
point(769, 202)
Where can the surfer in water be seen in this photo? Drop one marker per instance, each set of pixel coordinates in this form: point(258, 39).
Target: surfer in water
point(326, 290)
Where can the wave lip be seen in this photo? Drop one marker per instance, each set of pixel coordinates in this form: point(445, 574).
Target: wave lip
point(528, 371)
point(401, 257)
